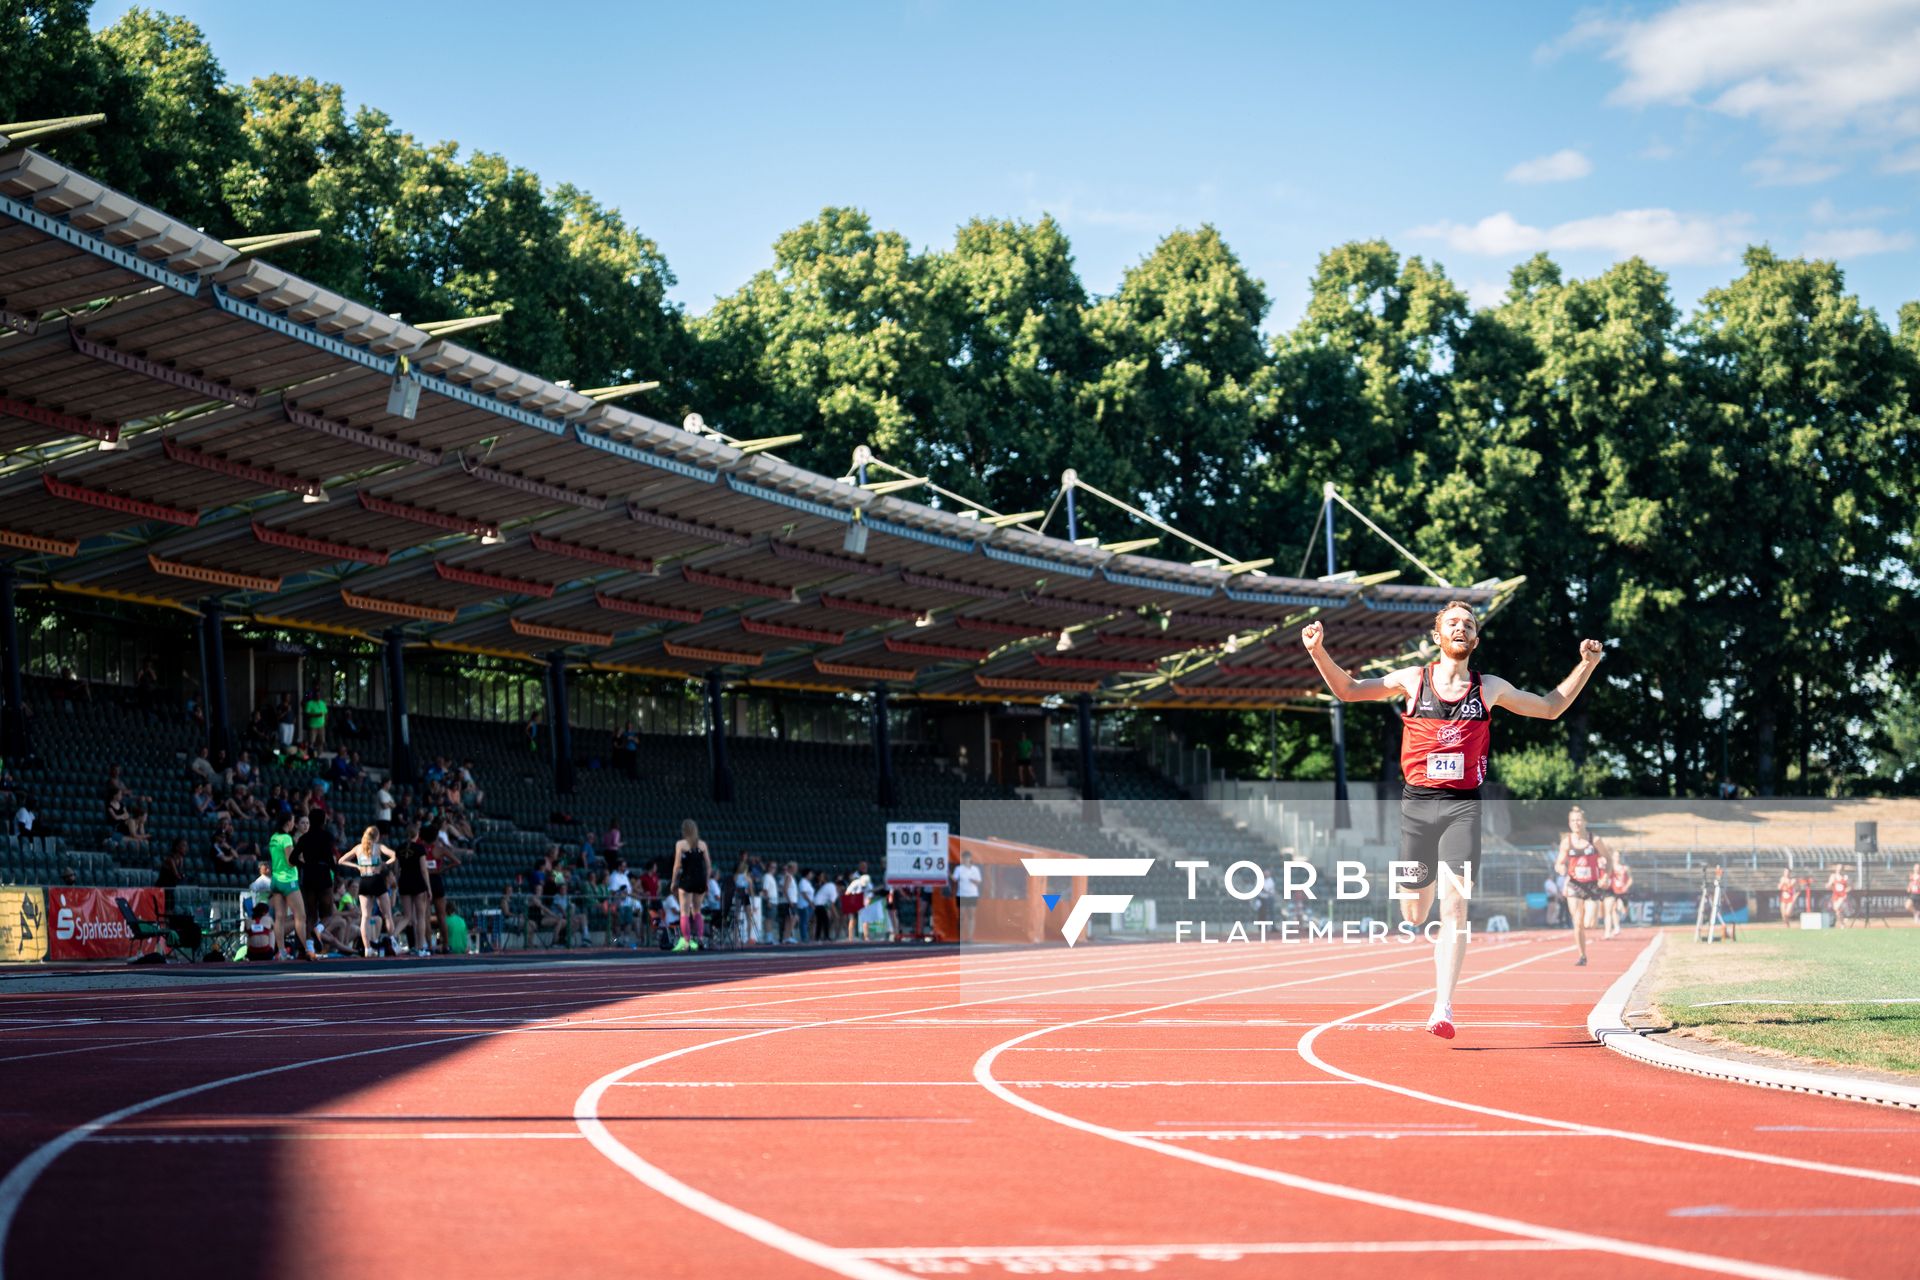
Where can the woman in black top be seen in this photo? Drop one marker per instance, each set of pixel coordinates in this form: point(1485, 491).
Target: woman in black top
point(692, 865)
point(415, 893)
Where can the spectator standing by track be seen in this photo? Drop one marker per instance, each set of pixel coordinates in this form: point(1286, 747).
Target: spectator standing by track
point(369, 860)
point(314, 852)
point(826, 905)
point(789, 903)
point(283, 892)
point(854, 900)
point(416, 898)
point(443, 856)
point(1913, 892)
point(692, 868)
point(966, 893)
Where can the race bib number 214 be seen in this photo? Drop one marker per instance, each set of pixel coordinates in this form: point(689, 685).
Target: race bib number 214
point(1449, 766)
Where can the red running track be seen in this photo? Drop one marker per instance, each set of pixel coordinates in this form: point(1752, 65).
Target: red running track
point(1184, 1110)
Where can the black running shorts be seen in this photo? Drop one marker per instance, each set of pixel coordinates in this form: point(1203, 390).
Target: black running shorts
point(1436, 829)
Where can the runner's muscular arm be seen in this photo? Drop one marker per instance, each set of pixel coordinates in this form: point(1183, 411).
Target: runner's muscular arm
point(1551, 706)
point(1560, 862)
point(1395, 684)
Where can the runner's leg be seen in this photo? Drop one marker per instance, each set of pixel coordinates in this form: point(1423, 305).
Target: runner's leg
point(1458, 847)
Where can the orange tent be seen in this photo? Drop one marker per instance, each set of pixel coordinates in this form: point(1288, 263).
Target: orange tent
point(1012, 906)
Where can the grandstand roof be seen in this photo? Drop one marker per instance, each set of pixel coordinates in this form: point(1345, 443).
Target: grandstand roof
point(182, 421)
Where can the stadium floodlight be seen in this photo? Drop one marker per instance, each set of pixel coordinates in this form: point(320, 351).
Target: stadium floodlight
point(403, 397)
point(855, 543)
point(695, 423)
point(315, 497)
point(1064, 644)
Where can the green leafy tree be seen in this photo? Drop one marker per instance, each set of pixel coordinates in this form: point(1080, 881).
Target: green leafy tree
point(1808, 427)
point(1179, 361)
point(828, 341)
point(1007, 310)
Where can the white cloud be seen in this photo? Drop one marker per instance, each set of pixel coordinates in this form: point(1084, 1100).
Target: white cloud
point(1564, 165)
point(1785, 171)
point(1904, 162)
point(1855, 242)
point(1659, 235)
point(1803, 69)
point(1826, 211)
point(1486, 293)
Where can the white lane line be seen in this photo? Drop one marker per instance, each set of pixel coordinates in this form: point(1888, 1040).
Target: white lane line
point(1223, 1252)
point(586, 1112)
point(983, 1072)
point(216, 1139)
point(1728, 1211)
point(20, 1179)
point(967, 1084)
point(1308, 1054)
point(1273, 1135)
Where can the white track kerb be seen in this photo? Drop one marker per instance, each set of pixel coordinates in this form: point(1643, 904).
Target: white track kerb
point(1607, 1023)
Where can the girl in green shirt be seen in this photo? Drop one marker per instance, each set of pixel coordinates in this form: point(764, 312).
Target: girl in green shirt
point(285, 891)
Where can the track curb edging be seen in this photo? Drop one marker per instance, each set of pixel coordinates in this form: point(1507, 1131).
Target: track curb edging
point(1606, 1023)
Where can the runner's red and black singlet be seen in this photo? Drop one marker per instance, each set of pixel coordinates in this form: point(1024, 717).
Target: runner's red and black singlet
point(1444, 745)
point(1622, 880)
point(1583, 865)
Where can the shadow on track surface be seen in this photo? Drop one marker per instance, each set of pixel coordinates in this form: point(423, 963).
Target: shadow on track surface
point(249, 1072)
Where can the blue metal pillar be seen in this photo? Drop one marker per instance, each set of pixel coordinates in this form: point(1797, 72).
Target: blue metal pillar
point(1089, 778)
point(16, 742)
point(559, 731)
point(399, 731)
point(717, 742)
point(883, 747)
point(213, 671)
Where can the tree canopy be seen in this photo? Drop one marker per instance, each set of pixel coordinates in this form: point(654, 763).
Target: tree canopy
point(1729, 493)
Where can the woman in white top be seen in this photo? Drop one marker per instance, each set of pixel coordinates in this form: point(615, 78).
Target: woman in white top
point(369, 860)
point(853, 900)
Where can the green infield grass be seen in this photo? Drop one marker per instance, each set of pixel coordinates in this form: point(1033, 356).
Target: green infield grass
point(1847, 997)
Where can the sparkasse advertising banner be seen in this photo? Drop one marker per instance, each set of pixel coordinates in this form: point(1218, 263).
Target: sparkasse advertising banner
point(84, 924)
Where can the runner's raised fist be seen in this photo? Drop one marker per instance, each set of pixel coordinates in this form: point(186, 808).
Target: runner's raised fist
point(1590, 651)
point(1310, 635)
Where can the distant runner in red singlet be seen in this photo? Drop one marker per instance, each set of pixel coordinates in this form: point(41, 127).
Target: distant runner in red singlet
point(1789, 896)
point(1587, 864)
point(1839, 885)
point(1445, 744)
point(1616, 904)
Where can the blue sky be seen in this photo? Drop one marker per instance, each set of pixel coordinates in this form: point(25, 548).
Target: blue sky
point(1473, 134)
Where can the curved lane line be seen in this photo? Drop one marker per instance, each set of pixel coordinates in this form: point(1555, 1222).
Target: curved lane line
point(1307, 1054)
point(829, 1257)
point(983, 1072)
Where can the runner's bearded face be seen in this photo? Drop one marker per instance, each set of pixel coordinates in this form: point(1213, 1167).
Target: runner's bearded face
point(1458, 634)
